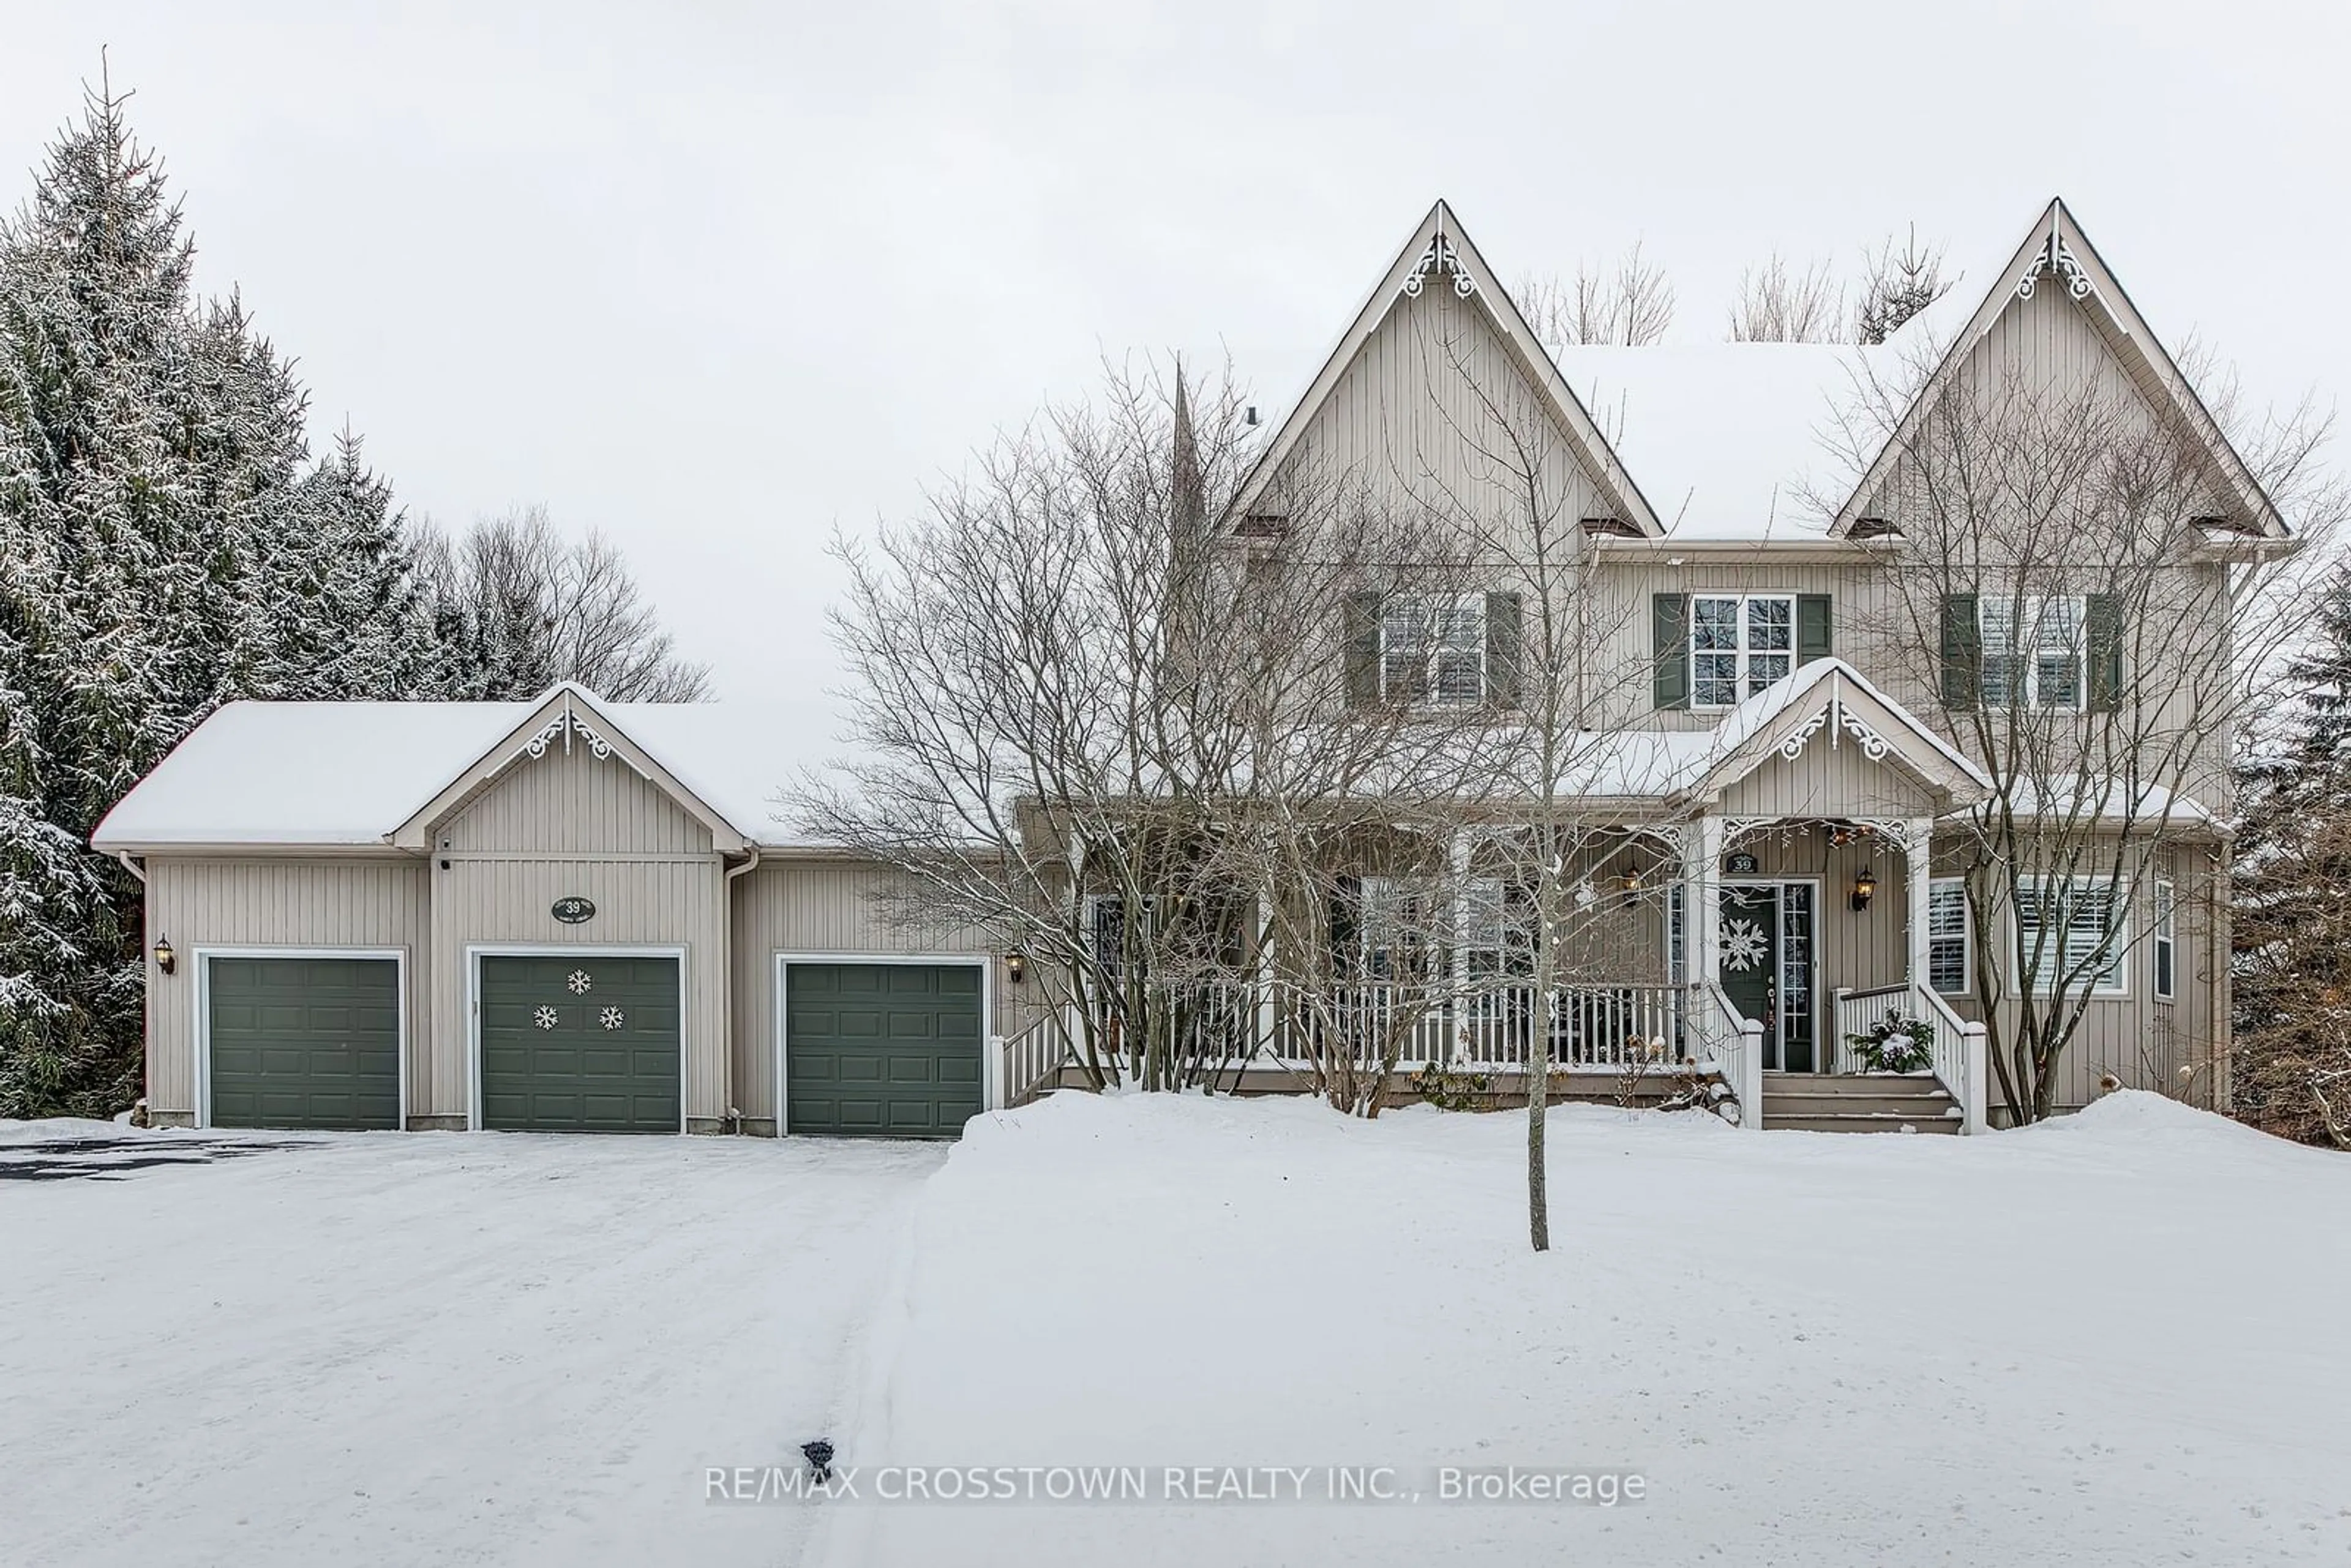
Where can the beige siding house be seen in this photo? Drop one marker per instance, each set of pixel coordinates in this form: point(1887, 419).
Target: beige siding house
point(1802, 707)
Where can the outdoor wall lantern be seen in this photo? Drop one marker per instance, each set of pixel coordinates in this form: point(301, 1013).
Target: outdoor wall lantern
point(165, 960)
point(1630, 880)
point(1015, 967)
point(1864, 887)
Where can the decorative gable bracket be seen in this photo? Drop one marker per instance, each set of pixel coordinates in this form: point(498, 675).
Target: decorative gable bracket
point(1837, 718)
point(1440, 261)
point(566, 723)
point(2055, 256)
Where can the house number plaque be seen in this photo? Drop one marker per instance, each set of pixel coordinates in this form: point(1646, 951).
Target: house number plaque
point(573, 911)
point(1736, 866)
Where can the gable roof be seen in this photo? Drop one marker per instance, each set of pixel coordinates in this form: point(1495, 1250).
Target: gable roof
point(2057, 255)
point(1440, 254)
point(1829, 697)
point(352, 775)
point(568, 713)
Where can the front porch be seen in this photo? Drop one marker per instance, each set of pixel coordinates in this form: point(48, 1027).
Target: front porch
point(1753, 895)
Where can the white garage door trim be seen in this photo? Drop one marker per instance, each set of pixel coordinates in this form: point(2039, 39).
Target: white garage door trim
point(991, 1054)
point(202, 1034)
point(478, 951)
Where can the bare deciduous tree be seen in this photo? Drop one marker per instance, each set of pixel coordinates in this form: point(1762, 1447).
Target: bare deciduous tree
point(1632, 303)
point(1778, 304)
point(520, 607)
point(2072, 580)
point(1110, 725)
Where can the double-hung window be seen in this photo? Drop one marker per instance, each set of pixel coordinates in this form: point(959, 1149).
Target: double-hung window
point(1433, 649)
point(1739, 643)
point(1948, 957)
point(2065, 924)
point(2166, 947)
point(1391, 928)
point(2035, 651)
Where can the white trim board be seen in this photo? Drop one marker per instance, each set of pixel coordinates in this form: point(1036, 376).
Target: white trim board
point(991, 1094)
point(478, 951)
point(200, 1032)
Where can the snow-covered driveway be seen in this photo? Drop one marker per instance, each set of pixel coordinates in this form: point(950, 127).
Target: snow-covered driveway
point(428, 1348)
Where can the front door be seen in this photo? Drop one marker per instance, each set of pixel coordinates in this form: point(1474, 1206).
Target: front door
point(1767, 965)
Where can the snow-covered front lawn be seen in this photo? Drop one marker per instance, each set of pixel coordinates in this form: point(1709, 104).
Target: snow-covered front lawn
point(423, 1348)
point(2119, 1339)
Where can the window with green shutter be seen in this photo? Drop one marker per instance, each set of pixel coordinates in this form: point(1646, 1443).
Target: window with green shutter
point(1669, 621)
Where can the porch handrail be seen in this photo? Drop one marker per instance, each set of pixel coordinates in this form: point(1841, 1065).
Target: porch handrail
point(1734, 1043)
point(1032, 1056)
point(1957, 1056)
point(1955, 1048)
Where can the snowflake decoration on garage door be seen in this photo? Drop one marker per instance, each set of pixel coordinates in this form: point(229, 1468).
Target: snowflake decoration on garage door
point(611, 1018)
point(1742, 945)
point(544, 1017)
point(580, 982)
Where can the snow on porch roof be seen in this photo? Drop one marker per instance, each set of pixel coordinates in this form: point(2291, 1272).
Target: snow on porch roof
point(292, 774)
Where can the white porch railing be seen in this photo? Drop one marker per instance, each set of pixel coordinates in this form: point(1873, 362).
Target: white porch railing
point(1955, 1053)
point(1734, 1044)
point(1028, 1060)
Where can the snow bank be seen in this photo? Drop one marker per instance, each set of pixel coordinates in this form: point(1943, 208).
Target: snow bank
point(2084, 1344)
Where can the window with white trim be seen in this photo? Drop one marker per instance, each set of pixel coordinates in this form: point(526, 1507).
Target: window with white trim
point(2166, 949)
point(1391, 927)
point(1433, 649)
point(1739, 643)
point(2035, 651)
point(2065, 924)
point(1949, 958)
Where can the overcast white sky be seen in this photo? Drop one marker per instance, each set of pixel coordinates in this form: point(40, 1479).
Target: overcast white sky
point(718, 279)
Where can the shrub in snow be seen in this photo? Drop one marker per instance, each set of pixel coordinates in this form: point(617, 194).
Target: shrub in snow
point(1896, 1043)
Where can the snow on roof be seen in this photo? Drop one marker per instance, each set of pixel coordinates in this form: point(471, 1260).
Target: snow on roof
point(290, 774)
point(1733, 441)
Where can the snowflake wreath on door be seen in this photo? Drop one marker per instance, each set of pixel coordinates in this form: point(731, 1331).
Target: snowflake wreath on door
point(580, 982)
point(1742, 945)
point(544, 1017)
point(611, 1018)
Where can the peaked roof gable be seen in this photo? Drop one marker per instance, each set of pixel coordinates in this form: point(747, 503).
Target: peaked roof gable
point(1830, 698)
point(2057, 255)
point(1440, 254)
point(568, 714)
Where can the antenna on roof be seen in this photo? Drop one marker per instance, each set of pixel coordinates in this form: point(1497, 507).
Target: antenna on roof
point(1250, 417)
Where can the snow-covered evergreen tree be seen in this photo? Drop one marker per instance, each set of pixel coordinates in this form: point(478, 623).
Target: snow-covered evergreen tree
point(167, 546)
point(2292, 1068)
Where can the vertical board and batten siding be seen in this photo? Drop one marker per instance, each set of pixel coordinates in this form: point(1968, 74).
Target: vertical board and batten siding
point(2144, 1041)
point(817, 907)
point(1866, 619)
point(272, 902)
point(1403, 425)
point(563, 825)
point(1829, 778)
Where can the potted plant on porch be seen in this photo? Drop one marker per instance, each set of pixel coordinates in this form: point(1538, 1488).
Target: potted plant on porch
point(1895, 1043)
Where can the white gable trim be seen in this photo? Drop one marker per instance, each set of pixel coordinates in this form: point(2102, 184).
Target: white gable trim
point(1440, 248)
point(1829, 697)
point(568, 714)
point(2057, 251)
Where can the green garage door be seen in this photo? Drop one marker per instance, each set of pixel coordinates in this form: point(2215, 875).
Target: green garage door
point(304, 1042)
point(882, 1048)
point(581, 1044)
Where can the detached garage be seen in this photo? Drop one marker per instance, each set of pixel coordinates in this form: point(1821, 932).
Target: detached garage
point(563, 915)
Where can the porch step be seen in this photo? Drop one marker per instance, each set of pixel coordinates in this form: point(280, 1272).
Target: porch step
point(1858, 1103)
point(1869, 1121)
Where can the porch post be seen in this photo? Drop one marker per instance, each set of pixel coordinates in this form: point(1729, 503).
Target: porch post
point(1449, 1046)
point(1702, 902)
point(1920, 869)
point(1265, 970)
